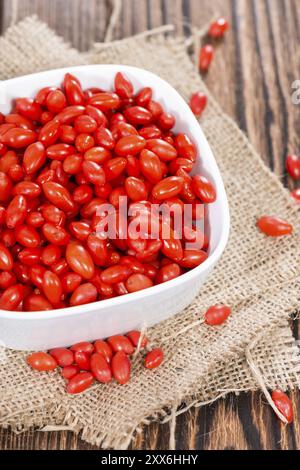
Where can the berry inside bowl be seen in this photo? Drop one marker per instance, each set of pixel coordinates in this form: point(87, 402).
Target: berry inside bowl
point(73, 320)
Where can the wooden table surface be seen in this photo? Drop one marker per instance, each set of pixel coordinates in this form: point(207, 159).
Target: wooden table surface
point(251, 77)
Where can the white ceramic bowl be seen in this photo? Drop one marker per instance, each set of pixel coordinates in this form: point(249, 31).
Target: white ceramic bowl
point(45, 330)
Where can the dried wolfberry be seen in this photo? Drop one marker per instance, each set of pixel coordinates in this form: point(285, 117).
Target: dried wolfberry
point(84, 346)
point(100, 368)
point(293, 166)
point(123, 86)
point(217, 315)
point(102, 347)
point(284, 404)
point(70, 371)
point(121, 368)
point(154, 359)
point(274, 226)
point(42, 362)
point(296, 195)
point(80, 382)
point(218, 28)
point(205, 57)
point(84, 294)
point(198, 103)
point(135, 337)
point(63, 356)
point(120, 343)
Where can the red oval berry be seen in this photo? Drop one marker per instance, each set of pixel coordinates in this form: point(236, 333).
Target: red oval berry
point(84, 294)
point(82, 359)
point(105, 101)
point(165, 151)
point(73, 90)
point(34, 158)
point(12, 297)
point(218, 28)
point(120, 343)
point(168, 188)
point(100, 368)
point(137, 115)
point(52, 287)
point(193, 258)
point(283, 404)
point(59, 196)
point(121, 368)
point(79, 260)
point(135, 337)
point(167, 273)
point(293, 166)
point(274, 226)
point(102, 347)
point(6, 259)
point(205, 57)
point(36, 303)
point(63, 356)
point(154, 359)
point(42, 362)
point(123, 86)
point(204, 189)
point(130, 145)
point(18, 138)
point(80, 383)
point(56, 101)
point(138, 282)
point(217, 315)
point(84, 346)
point(296, 195)
point(69, 372)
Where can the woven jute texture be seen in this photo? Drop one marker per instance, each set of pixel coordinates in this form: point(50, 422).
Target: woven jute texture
point(259, 277)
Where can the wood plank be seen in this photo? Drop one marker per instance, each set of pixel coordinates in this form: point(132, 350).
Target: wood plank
point(81, 22)
point(257, 63)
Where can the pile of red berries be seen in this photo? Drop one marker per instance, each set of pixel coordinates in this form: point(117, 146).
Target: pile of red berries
point(101, 361)
point(62, 155)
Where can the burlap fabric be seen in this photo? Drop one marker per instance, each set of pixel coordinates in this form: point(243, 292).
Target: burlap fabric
point(259, 277)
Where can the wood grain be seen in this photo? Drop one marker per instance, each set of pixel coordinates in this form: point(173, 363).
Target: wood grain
point(251, 77)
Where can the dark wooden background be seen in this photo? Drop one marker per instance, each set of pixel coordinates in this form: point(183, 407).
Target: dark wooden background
point(251, 77)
